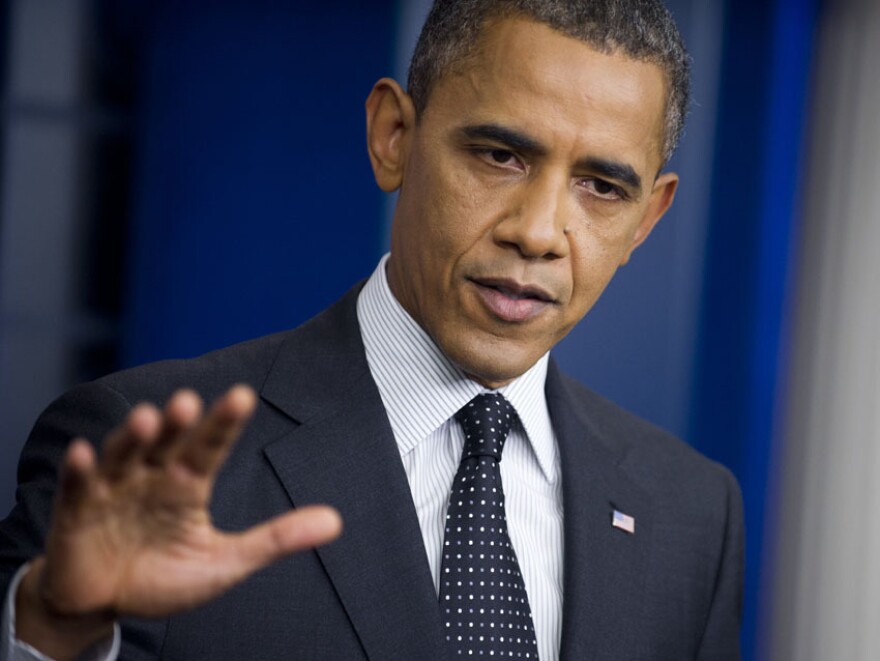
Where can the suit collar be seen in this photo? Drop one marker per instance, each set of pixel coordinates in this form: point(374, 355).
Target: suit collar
point(605, 567)
point(318, 362)
point(378, 566)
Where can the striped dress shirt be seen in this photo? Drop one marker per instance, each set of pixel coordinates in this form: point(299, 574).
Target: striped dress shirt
point(422, 390)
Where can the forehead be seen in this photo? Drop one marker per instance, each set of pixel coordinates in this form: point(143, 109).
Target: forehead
point(558, 89)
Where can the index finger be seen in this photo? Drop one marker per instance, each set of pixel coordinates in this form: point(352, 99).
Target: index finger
point(214, 435)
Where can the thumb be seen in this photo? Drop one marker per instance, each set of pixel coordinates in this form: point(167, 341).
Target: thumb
point(295, 531)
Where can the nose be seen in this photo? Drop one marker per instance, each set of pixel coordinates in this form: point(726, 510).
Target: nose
point(535, 224)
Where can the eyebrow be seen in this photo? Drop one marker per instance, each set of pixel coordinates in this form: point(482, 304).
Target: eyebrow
point(524, 144)
point(508, 137)
point(612, 170)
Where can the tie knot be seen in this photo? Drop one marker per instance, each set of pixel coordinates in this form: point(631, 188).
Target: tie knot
point(486, 420)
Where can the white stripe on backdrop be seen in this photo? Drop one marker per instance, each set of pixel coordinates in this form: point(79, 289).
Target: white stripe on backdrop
point(827, 603)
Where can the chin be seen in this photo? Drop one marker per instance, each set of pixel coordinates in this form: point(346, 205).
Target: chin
point(492, 368)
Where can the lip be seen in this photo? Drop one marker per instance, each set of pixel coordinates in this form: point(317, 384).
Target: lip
point(512, 301)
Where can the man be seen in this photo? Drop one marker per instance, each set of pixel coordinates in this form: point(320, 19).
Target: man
point(528, 154)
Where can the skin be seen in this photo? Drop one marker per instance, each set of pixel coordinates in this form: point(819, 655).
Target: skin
point(530, 177)
point(131, 533)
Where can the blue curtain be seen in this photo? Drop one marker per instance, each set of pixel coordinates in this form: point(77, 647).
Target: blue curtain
point(742, 351)
point(253, 200)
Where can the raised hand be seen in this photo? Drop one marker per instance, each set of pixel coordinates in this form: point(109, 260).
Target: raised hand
point(131, 533)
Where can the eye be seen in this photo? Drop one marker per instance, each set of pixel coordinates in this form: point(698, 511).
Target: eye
point(602, 189)
point(502, 158)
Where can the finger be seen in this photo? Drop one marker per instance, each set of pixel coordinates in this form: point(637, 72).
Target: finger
point(77, 471)
point(212, 439)
point(181, 413)
point(125, 445)
point(295, 531)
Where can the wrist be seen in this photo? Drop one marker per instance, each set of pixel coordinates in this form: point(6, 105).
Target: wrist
point(41, 625)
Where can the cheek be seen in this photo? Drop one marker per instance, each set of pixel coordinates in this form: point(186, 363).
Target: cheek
point(593, 264)
point(463, 192)
point(460, 212)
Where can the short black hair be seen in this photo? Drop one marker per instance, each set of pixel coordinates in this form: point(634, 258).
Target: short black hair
point(641, 29)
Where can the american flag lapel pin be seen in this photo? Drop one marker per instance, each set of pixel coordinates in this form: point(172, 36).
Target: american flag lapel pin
point(623, 522)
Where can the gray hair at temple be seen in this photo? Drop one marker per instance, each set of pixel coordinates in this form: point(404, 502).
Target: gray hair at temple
point(640, 29)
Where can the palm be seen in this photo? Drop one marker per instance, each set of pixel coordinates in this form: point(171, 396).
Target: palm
point(132, 534)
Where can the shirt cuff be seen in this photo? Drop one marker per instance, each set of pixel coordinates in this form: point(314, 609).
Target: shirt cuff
point(13, 649)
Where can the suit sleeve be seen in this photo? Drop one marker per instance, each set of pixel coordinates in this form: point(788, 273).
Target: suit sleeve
point(89, 411)
point(14, 650)
point(720, 641)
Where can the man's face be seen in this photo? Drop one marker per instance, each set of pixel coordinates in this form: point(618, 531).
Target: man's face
point(528, 179)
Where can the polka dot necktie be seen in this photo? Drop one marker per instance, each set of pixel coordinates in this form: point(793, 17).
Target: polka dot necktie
point(483, 599)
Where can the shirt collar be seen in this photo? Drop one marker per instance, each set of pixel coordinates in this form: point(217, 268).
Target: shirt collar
point(421, 388)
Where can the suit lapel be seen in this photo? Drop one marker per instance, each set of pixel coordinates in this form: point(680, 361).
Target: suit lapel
point(604, 566)
point(342, 453)
point(340, 450)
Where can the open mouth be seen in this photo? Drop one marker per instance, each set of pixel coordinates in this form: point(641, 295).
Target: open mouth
point(514, 290)
point(511, 301)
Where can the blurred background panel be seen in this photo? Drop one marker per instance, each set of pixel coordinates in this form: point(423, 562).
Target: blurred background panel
point(67, 109)
point(826, 577)
point(176, 177)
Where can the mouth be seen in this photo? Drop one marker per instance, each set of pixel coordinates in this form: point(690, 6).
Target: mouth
point(511, 301)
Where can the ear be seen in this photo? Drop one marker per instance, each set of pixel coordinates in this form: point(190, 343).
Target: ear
point(661, 199)
point(391, 117)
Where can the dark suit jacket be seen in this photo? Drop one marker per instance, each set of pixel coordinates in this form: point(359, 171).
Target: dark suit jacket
point(670, 591)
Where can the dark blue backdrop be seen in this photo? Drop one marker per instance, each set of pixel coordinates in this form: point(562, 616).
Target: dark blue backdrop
point(253, 198)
